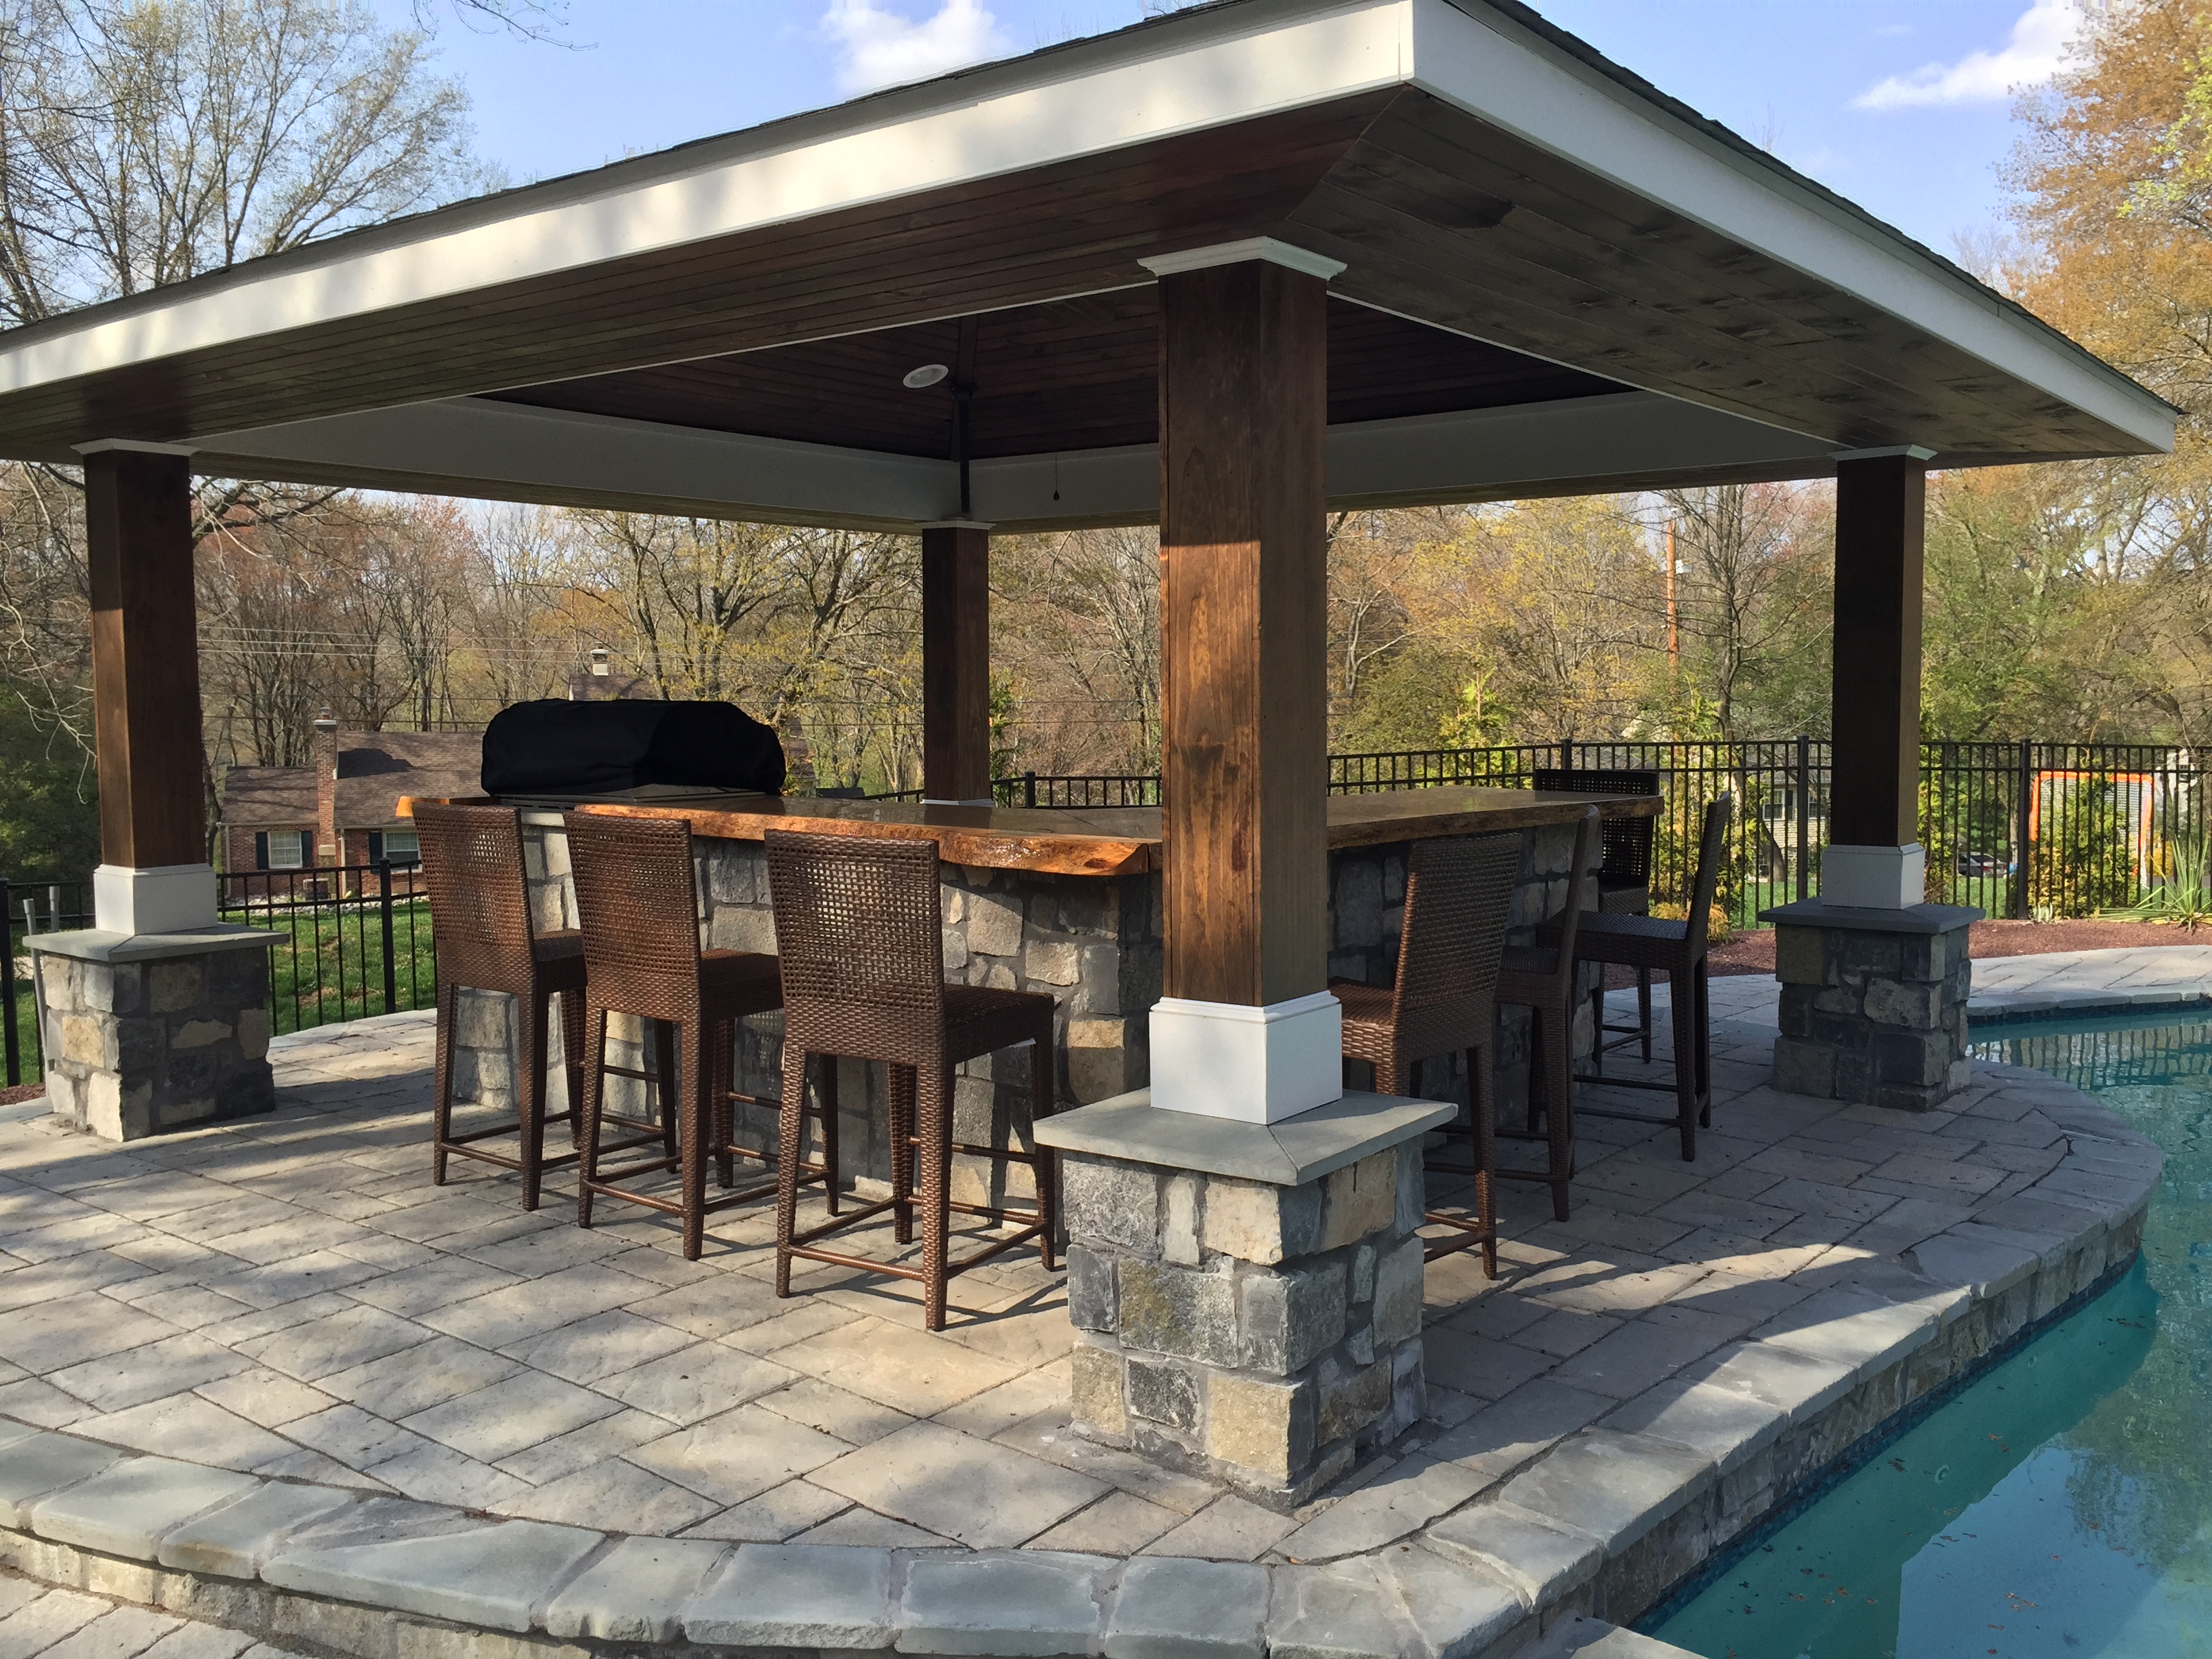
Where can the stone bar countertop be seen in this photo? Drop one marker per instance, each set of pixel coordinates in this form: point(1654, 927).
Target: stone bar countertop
point(1119, 840)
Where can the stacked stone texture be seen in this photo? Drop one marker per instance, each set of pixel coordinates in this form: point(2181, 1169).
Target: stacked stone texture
point(1093, 943)
point(136, 1048)
point(1875, 1018)
point(1260, 1335)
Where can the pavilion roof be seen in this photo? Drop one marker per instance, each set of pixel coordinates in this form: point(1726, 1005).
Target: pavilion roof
point(1553, 278)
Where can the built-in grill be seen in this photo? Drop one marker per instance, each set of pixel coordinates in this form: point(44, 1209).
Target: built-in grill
point(550, 753)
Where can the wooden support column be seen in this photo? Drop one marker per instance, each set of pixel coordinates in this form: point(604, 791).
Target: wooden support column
point(956, 661)
point(154, 874)
point(1873, 858)
point(1246, 1028)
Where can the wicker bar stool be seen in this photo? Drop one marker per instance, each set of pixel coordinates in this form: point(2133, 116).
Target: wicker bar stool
point(1623, 877)
point(1540, 977)
point(637, 895)
point(480, 923)
point(1444, 1001)
point(1676, 949)
point(860, 933)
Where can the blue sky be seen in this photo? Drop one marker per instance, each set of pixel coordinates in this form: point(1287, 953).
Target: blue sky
point(1904, 106)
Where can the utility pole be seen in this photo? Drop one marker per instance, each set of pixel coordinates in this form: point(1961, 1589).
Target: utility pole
point(1674, 618)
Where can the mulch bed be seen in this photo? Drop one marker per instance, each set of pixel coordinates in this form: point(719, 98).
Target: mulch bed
point(1753, 953)
point(15, 1096)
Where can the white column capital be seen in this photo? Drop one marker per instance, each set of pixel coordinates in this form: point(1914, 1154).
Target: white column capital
point(1265, 248)
point(955, 524)
point(1913, 451)
point(134, 447)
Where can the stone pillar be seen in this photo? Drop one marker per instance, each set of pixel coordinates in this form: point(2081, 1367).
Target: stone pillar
point(1873, 979)
point(1874, 1003)
point(154, 1032)
point(1246, 1299)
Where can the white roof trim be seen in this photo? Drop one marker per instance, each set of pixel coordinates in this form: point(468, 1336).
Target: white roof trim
point(520, 452)
point(1473, 58)
point(1025, 114)
point(1211, 69)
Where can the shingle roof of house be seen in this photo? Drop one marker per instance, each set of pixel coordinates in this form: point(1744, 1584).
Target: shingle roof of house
point(374, 769)
point(269, 797)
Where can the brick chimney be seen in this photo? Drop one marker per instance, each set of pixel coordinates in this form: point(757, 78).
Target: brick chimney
point(327, 850)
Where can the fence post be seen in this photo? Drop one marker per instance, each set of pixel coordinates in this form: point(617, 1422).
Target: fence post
point(15, 1059)
point(1567, 754)
point(2027, 783)
point(1029, 789)
point(391, 974)
point(1804, 814)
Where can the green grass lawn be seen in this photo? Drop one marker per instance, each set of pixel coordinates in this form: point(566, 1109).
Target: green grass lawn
point(327, 967)
point(332, 969)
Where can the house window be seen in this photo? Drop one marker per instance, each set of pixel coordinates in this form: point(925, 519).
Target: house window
point(397, 846)
point(283, 850)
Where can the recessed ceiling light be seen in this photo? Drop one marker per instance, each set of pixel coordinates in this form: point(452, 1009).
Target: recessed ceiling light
point(927, 375)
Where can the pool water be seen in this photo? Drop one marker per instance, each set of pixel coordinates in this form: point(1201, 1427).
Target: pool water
point(2061, 1503)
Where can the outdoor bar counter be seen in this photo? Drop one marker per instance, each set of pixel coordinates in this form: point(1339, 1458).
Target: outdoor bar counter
point(1064, 900)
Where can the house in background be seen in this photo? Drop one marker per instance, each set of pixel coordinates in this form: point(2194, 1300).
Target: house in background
point(343, 811)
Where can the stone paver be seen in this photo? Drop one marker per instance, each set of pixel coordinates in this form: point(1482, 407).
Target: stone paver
point(39, 1623)
point(584, 1384)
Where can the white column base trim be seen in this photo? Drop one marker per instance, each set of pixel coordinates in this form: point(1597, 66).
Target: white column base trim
point(1874, 877)
point(1249, 1065)
point(168, 898)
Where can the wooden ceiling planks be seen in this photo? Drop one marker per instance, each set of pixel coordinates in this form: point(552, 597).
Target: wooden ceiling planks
point(802, 329)
point(1069, 376)
point(995, 243)
point(1579, 269)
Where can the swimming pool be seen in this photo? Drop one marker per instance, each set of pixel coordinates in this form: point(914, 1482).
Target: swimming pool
point(2059, 1505)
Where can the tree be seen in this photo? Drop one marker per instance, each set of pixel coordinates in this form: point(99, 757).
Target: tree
point(1755, 602)
point(142, 143)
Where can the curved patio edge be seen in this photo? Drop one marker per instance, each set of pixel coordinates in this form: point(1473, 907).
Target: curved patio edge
point(1600, 1526)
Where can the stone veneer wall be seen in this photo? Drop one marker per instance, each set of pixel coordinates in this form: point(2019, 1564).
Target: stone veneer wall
point(1092, 942)
point(1877, 1018)
point(1262, 1335)
point(139, 1048)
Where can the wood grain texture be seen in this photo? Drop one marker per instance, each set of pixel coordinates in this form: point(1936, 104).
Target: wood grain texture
point(1069, 375)
point(1442, 217)
point(1109, 842)
point(1118, 840)
point(956, 663)
point(145, 658)
point(1472, 809)
point(1017, 239)
point(1244, 633)
point(1881, 520)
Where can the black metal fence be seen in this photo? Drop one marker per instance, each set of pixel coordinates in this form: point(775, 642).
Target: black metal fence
point(2018, 829)
point(351, 942)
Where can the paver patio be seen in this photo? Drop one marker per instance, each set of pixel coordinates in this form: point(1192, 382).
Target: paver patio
point(289, 1296)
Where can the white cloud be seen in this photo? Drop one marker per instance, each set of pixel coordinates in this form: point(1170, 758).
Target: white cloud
point(2035, 52)
point(881, 47)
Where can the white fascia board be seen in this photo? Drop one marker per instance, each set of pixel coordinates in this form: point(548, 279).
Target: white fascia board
point(515, 452)
point(1478, 61)
point(1029, 113)
point(1542, 448)
point(1475, 454)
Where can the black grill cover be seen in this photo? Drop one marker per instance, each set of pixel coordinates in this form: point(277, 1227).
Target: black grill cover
point(549, 747)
